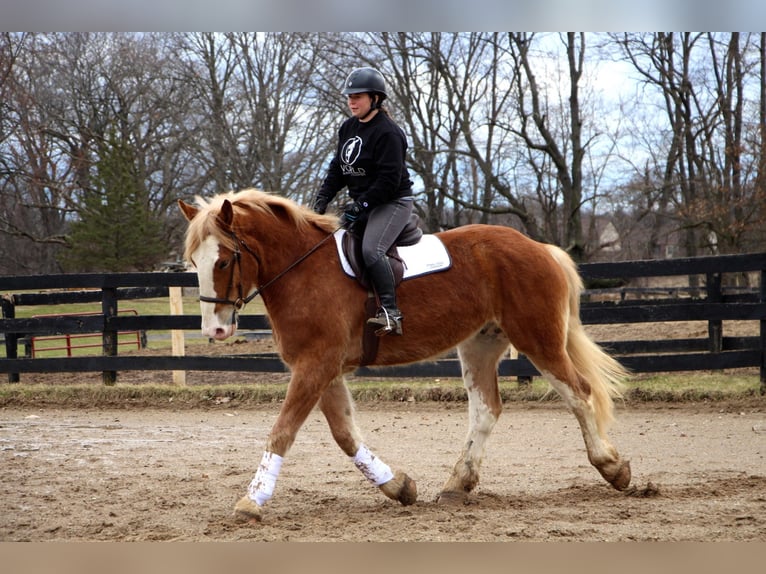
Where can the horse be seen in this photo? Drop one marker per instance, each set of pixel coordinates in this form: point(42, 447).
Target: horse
point(502, 289)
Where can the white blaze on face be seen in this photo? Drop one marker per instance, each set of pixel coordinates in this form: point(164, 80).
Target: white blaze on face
point(214, 325)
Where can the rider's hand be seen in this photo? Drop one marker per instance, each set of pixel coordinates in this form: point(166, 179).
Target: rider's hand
point(352, 212)
point(320, 205)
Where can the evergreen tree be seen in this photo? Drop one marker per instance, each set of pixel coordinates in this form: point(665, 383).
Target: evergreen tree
point(116, 231)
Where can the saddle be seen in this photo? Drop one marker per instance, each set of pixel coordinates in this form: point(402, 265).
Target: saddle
point(352, 249)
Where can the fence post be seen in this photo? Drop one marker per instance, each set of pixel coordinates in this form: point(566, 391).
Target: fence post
point(11, 339)
point(109, 336)
point(176, 335)
point(714, 328)
point(763, 334)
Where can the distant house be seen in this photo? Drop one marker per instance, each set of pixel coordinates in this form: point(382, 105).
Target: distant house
point(618, 237)
point(605, 243)
point(609, 239)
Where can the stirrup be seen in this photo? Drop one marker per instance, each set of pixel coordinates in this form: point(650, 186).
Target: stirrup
point(388, 322)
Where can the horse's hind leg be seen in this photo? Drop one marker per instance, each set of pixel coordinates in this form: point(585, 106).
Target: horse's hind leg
point(478, 356)
point(592, 415)
point(338, 408)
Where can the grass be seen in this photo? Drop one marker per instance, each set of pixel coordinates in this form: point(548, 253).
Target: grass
point(700, 385)
point(79, 344)
point(682, 388)
point(91, 344)
point(153, 306)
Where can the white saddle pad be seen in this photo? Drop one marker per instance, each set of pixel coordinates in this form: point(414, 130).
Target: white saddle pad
point(427, 256)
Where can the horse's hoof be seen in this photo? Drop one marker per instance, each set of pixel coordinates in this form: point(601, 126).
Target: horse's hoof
point(247, 511)
point(409, 492)
point(401, 488)
point(620, 479)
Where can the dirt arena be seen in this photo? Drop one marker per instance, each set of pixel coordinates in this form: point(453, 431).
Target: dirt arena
point(162, 474)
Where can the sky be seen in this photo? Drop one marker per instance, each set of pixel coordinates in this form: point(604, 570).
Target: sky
point(372, 16)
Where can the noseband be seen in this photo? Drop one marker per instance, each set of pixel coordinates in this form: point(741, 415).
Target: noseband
point(241, 301)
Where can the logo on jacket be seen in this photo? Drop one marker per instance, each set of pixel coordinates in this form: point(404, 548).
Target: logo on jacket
point(351, 150)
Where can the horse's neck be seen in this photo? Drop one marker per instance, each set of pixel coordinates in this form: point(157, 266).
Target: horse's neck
point(280, 249)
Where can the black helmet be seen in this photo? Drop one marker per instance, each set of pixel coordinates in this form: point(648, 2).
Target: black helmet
point(362, 80)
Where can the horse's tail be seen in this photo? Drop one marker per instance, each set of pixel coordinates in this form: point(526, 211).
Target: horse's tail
point(603, 373)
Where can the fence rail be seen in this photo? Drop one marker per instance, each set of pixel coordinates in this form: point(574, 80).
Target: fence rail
point(710, 302)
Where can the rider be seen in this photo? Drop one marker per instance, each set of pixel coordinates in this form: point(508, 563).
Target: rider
point(370, 161)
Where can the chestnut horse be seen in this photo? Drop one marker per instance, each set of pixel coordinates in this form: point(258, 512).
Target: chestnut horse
point(502, 288)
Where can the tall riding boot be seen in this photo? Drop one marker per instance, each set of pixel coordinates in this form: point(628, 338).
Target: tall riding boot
point(389, 318)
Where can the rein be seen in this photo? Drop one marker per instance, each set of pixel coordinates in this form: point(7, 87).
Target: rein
point(241, 301)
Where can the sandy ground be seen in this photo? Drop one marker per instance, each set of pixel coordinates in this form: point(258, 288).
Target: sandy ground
point(160, 474)
point(174, 474)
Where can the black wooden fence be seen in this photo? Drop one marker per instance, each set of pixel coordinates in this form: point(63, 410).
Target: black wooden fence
point(711, 302)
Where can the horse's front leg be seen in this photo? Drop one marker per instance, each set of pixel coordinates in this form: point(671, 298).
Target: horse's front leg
point(305, 387)
point(338, 408)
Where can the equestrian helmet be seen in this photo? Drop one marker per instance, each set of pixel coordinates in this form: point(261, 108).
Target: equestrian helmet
point(362, 80)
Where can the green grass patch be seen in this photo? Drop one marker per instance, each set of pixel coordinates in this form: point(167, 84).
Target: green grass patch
point(84, 344)
point(152, 306)
point(79, 345)
point(700, 385)
point(705, 387)
point(137, 396)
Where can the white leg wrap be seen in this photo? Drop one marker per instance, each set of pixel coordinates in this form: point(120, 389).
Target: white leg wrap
point(262, 486)
point(374, 469)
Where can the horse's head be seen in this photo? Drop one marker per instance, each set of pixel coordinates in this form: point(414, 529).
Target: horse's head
point(214, 250)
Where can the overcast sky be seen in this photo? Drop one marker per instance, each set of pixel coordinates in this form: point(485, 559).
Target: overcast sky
point(366, 15)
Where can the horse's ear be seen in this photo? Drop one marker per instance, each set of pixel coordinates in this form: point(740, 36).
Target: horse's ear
point(189, 211)
point(226, 215)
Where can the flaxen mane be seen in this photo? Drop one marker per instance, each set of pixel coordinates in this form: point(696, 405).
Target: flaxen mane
point(249, 200)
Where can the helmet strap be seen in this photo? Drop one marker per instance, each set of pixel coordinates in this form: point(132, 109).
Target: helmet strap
point(373, 106)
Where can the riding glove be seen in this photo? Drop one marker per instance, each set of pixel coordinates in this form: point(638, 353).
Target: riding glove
point(320, 205)
point(352, 212)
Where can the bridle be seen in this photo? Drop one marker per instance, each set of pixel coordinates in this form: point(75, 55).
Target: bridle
point(241, 300)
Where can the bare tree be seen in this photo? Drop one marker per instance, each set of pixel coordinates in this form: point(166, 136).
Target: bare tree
point(33, 206)
point(415, 83)
point(503, 128)
point(72, 92)
point(424, 69)
point(565, 150)
point(260, 121)
point(759, 138)
point(452, 91)
point(468, 103)
point(707, 175)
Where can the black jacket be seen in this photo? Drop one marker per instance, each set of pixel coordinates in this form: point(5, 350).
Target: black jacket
point(370, 161)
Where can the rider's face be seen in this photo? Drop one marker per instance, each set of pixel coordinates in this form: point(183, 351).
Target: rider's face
point(359, 104)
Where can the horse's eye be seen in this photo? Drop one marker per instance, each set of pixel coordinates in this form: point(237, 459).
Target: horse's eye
point(224, 264)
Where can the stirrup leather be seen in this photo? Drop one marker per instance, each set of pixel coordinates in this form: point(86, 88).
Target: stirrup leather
point(388, 322)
